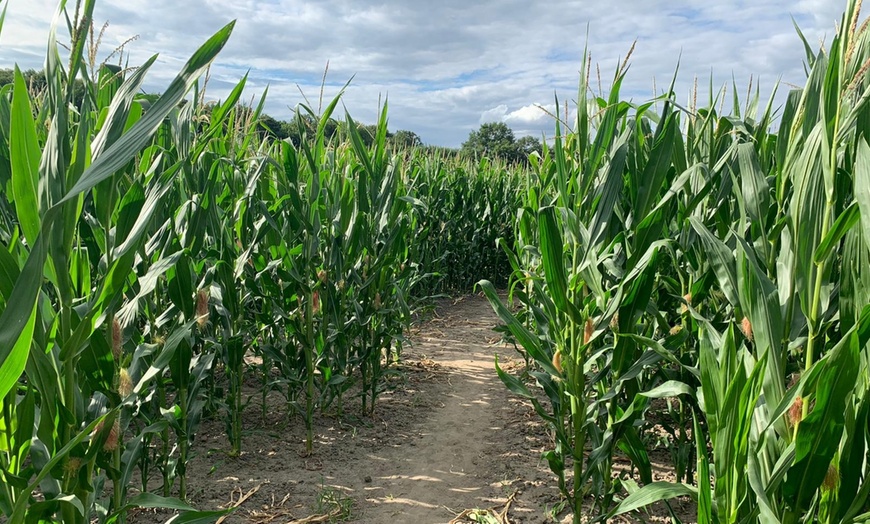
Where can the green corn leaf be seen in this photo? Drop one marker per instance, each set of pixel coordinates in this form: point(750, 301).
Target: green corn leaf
point(756, 193)
point(808, 49)
point(221, 111)
point(15, 322)
point(671, 388)
point(38, 510)
point(632, 445)
point(862, 186)
point(632, 306)
point(553, 258)
point(712, 389)
point(139, 221)
point(758, 469)
point(604, 136)
point(188, 514)
point(128, 211)
point(847, 219)
point(529, 341)
point(8, 274)
point(662, 351)
point(705, 491)
point(359, 146)
point(812, 94)
point(806, 383)
point(652, 493)
point(658, 167)
point(760, 300)
point(806, 210)
point(783, 137)
point(166, 356)
point(21, 505)
point(24, 154)
point(15, 361)
point(255, 116)
point(857, 116)
point(97, 363)
point(830, 106)
point(561, 175)
point(116, 277)
point(181, 286)
point(518, 388)
point(819, 434)
point(853, 452)
point(721, 258)
point(119, 110)
point(119, 153)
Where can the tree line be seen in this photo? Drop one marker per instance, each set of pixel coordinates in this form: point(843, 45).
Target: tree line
point(495, 139)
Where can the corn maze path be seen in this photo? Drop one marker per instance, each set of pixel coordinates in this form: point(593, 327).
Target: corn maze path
point(447, 437)
point(459, 458)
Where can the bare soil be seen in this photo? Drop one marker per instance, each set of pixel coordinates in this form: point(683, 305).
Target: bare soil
point(446, 437)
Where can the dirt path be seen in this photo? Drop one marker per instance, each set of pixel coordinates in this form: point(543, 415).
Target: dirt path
point(447, 436)
point(449, 466)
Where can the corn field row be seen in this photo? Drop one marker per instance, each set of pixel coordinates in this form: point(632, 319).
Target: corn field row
point(150, 246)
point(158, 252)
point(704, 258)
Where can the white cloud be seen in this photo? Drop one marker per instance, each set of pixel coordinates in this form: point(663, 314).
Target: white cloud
point(450, 65)
point(534, 114)
point(496, 114)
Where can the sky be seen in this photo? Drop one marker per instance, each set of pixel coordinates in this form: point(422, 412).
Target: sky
point(446, 67)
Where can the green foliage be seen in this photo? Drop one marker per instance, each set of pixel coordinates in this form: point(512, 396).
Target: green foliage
point(36, 82)
point(712, 261)
point(406, 139)
point(60, 347)
point(528, 145)
point(273, 128)
point(151, 244)
point(496, 140)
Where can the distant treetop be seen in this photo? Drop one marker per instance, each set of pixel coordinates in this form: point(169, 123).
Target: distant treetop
point(496, 139)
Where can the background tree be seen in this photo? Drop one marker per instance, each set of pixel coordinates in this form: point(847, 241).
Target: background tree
point(496, 139)
point(527, 145)
point(492, 139)
point(34, 79)
point(405, 138)
point(273, 127)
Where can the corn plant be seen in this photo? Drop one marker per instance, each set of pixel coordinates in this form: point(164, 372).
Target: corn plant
point(80, 202)
point(585, 274)
point(717, 263)
point(785, 264)
point(380, 233)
